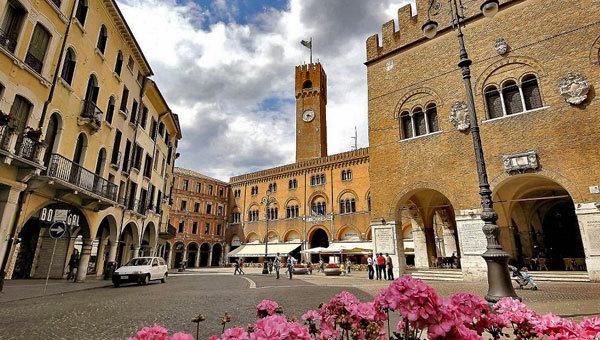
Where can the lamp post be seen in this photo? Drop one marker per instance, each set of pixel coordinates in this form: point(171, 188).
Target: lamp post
point(267, 201)
point(499, 284)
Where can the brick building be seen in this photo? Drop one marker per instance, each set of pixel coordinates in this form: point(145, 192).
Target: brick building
point(199, 213)
point(535, 70)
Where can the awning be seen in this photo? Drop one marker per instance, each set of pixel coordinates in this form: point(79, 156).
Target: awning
point(257, 249)
point(316, 250)
point(350, 247)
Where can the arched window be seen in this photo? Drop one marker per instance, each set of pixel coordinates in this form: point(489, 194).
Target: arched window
point(512, 98)
point(80, 149)
point(347, 204)
point(11, 27)
point(272, 213)
point(406, 129)
point(292, 184)
point(531, 92)
point(38, 48)
point(110, 109)
point(307, 84)
point(432, 119)
point(90, 109)
point(100, 162)
point(493, 102)
point(81, 13)
point(102, 38)
point(291, 210)
point(318, 206)
point(419, 119)
point(161, 129)
point(51, 137)
point(253, 214)
point(119, 63)
point(20, 110)
point(68, 66)
point(346, 175)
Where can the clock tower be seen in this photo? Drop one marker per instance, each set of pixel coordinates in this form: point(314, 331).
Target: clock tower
point(311, 102)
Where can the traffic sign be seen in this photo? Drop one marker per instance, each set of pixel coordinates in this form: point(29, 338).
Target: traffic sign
point(58, 229)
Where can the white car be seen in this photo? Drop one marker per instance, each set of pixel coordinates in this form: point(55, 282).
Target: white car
point(141, 270)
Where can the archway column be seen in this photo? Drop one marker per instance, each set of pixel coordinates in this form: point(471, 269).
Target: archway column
point(86, 251)
point(170, 257)
point(136, 251)
point(210, 250)
point(449, 241)
point(197, 260)
point(588, 216)
point(8, 208)
point(100, 256)
point(387, 238)
point(420, 242)
point(112, 253)
point(184, 258)
point(473, 244)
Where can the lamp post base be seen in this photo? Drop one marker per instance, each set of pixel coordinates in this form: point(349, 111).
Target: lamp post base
point(499, 283)
point(265, 269)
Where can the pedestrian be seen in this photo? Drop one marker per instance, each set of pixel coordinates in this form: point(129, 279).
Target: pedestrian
point(348, 265)
point(277, 265)
point(381, 274)
point(309, 266)
point(236, 265)
point(390, 267)
point(270, 266)
point(370, 267)
point(290, 265)
point(343, 268)
point(73, 263)
point(242, 266)
point(321, 265)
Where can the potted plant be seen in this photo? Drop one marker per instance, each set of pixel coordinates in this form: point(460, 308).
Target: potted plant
point(300, 269)
point(33, 134)
point(6, 119)
point(332, 269)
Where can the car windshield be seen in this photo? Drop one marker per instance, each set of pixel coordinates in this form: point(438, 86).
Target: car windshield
point(139, 262)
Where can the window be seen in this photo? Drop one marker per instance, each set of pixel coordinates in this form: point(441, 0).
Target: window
point(512, 98)
point(346, 175)
point(219, 229)
point(210, 189)
point(221, 192)
point(254, 190)
point(185, 184)
point(110, 110)
point(196, 207)
point(130, 63)
point(181, 227)
point(207, 228)
point(38, 48)
point(493, 102)
point(220, 210)
point(317, 180)
point(406, 125)
point(183, 205)
point(11, 25)
point(291, 211)
point(236, 217)
point(292, 184)
point(137, 159)
point(195, 227)
point(237, 193)
point(272, 187)
point(68, 66)
point(318, 207)
point(148, 166)
point(81, 13)
point(272, 213)
point(153, 129)
point(144, 117)
point(531, 92)
point(124, 100)
point(102, 38)
point(432, 121)
point(119, 63)
point(114, 159)
point(208, 208)
point(347, 205)
point(419, 122)
point(140, 78)
point(161, 129)
point(126, 158)
point(253, 215)
point(307, 84)
point(20, 109)
point(198, 187)
point(134, 111)
point(91, 97)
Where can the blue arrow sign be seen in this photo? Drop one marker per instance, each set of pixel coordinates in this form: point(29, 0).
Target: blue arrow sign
point(58, 229)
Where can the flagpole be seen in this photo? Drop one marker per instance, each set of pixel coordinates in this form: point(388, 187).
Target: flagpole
point(311, 50)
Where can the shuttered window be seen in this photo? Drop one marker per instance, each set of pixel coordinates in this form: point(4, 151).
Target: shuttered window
point(531, 92)
point(37, 48)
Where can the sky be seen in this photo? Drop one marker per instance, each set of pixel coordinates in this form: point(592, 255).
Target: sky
point(226, 67)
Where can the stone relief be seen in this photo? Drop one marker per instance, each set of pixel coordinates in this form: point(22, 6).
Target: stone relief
point(520, 162)
point(574, 87)
point(459, 116)
point(501, 46)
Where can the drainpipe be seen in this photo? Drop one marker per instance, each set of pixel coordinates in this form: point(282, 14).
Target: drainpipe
point(57, 70)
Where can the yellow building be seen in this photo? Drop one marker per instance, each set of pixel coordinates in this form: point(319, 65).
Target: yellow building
point(319, 201)
point(90, 142)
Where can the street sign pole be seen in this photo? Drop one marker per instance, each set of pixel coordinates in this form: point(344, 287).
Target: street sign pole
point(50, 266)
point(56, 231)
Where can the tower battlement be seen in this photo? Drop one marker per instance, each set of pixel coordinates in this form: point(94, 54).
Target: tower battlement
point(311, 78)
point(409, 30)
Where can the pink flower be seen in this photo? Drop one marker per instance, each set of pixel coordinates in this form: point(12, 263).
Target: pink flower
point(519, 315)
point(266, 307)
point(236, 333)
point(276, 327)
point(311, 315)
point(182, 336)
point(363, 311)
point(155, 332)
point(590, 327)
point(556, 327)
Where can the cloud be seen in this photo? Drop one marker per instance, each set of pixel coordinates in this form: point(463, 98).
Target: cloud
point(232, 82)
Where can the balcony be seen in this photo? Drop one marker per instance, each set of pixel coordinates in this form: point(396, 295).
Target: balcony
point(91, 116)
point(115, 160)
point(25, 152)
point(33, 62)
point(76, 180)
point(7, 41)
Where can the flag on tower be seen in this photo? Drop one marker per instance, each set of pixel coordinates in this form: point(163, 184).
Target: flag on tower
point(307, 44)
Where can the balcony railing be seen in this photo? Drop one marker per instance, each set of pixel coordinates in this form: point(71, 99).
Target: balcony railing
point(34, 62)
point(27, 148)
point(9, 42)
point(5, 133)
point(91, 115)
point(66, 170)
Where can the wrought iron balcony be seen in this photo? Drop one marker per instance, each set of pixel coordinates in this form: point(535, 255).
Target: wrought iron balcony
point(67, 171)
point(34, 62)
point(5, 133)
point(7, 41)
point(27, 147)
point(91, 115)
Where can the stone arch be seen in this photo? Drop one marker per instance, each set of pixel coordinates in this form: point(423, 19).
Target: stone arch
point(318, 236)
point(292, 236)
point(423, 91)
point(314, 228)
point(316, 194)
point(217, 251)
point(344, 234)
point(193, 254)
point(205, 250)
point(252, 237)
point(106, 242)
point(396, 203)
point(347, 191)
point(149, 239)
point(290, 200)
point(482, 80)
point(129, 243)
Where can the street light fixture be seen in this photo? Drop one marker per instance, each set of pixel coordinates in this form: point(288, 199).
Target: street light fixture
point(499, 284)
point(267, 201)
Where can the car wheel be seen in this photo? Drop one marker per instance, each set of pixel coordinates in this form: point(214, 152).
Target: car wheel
point(146, 280)
point(164, 279)
point(116, 284)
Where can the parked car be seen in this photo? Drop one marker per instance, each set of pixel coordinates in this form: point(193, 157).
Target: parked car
point(141, 270)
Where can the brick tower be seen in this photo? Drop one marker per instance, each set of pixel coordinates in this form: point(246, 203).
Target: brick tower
point(311, 102)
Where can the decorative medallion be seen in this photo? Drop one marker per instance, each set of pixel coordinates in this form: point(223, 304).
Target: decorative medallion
point(501, 46)
point(459, 116)
point(574, 87)
point(520, 162)
point(389, 65)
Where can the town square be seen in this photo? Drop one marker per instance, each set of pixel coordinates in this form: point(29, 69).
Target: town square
point(299, 169)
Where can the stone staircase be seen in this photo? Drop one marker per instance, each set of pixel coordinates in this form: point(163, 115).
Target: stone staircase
point(434, 274)
point(560, 276)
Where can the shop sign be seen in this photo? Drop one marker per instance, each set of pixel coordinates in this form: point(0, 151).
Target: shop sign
point(51, 215)
point(235, 242)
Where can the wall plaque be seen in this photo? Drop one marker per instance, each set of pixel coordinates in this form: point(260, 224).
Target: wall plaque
point(384, 239)
point(471, 237)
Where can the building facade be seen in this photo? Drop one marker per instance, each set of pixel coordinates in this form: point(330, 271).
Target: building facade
point(317, 201)
point(199, 213)
point(535, 70)
point(88, 141)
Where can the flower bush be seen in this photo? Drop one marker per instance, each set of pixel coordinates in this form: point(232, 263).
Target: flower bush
point(332, 265)
point(420, 309)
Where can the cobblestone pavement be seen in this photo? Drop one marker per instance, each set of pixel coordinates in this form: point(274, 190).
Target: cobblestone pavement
point(109, 313)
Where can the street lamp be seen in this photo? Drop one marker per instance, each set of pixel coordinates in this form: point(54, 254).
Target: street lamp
point(267, 201)
point(499, 284)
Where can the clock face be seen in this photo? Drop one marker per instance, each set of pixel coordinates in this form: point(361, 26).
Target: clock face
point(308, 116)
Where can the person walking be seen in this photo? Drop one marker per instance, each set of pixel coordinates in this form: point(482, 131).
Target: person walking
point(242, 266)
point(290, 265)
point(270, 266)
point(390, 267)
point(73, 263)
point(370, 267)
point(277, 266)
point(321, 265)
point(381, 274)
point(236, 266)
point(348, 265)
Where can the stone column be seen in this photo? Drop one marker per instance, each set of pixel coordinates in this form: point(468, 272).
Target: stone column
point(100, 257)
point(8, 206)
point(420, 242)
point(112, 253)
point(588, 215)
point(449, 241)
point(226, 251)
point(170, 258)
point(472, 243)
point(136, 251)
point(387, 238)
point(86, 251)
point(209, 264)
point(183, 258)
point(197, 262)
